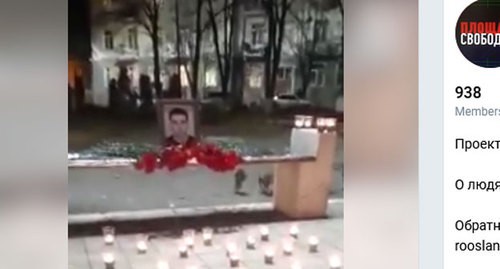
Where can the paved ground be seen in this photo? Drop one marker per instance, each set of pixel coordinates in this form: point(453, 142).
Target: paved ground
point(99, 190)
point(86, 252)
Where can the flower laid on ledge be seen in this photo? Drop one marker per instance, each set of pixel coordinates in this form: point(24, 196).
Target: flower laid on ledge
point(173, 158)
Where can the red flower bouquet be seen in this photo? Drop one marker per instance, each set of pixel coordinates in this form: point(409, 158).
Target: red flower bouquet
point(173, 158)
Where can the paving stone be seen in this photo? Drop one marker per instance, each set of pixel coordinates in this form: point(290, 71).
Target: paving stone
point(87, 252)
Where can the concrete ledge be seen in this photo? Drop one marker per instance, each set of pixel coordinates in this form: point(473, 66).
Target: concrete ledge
point(119, 216)
point(121, 162)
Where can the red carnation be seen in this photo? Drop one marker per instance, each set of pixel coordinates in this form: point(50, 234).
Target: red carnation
point(175, 159)
point(231, 160)
point(148, 162)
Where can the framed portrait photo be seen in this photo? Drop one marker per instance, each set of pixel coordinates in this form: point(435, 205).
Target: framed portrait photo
point(178, 121)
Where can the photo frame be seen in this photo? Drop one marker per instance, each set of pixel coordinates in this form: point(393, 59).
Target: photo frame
point(165, 107)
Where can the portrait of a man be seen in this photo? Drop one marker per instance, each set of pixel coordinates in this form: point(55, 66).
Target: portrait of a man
point(178, 122)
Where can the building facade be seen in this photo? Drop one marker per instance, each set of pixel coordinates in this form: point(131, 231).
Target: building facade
point(120, 42)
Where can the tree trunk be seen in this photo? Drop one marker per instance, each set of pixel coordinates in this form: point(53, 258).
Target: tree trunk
point(237, 62)
point(196, 61)
point(178, 44)
point(156, 64)
point(268, 53)
point(222, 74)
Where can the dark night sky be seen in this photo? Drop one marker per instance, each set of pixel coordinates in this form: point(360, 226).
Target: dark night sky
point(79, 29)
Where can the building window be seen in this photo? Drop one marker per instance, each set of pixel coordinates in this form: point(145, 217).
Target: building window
point(255, 81)
point(320, 29)
point(257, 33)
point(317, 77)
point(108, 40)
point(285, 72)
point(211, 78)
point(132, 38)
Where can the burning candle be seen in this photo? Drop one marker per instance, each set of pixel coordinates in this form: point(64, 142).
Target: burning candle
point(109, 239)
point(188, 235)
point(109, 260)
point(234, 260)
point(250, 242)
point(308, 121)
point(287, 247)
point(313, 244)
point(264, 233)
point(299, 121)
point(163, 265)
point(330, 122)
point(109, 234)
point(207, 234)
point(183, 251)
point(231, 248)
point(269, 255)
point(189, 241)
point(294, 231)
point(335, 262)
point(142, 247)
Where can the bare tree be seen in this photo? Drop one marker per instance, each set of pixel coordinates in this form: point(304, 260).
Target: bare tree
point(148, 16)
point(191, 42)
point(276, 11)
point(224, 54)
point(306, 44)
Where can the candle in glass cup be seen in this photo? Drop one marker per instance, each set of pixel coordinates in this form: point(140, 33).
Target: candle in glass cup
point(330, 122)
point(189, 241)
point(141, 244)
point(287, 246)
point(142, 247)
point(207, 235)
point(299, 121)
point(264, 233)
point(269, 254)
point(250, 242)
point(231, 248)
point(313, 244)
point(109, 260)
point(109, 234)
point(189, 237)
point(308, 121)
point(234, 260)
point(109, 239)
point(294, 231)
point(183, 250)
point(335, 262)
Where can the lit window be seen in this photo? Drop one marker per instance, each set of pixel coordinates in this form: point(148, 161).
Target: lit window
point(108, 40)
point(255, 81)
point(317, 77)
point(257, 33)
point(285, 72)
point(210, 78)
point(132, 38)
